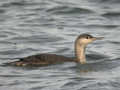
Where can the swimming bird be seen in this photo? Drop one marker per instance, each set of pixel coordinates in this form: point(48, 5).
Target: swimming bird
point(46, 59)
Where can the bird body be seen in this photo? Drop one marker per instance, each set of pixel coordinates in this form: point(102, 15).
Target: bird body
point(41, 60)
point(46, 59)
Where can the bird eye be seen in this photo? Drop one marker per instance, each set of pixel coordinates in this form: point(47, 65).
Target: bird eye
point(87, 37)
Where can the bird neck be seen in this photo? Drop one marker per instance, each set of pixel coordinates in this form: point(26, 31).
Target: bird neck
point(80, 53)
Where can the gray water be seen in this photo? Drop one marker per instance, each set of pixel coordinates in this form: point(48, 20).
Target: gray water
point(30, 27)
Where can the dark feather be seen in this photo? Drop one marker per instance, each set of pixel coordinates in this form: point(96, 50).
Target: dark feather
point(41, 59)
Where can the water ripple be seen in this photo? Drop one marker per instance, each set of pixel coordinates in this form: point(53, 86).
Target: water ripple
point(29, 27)
point(69, 10)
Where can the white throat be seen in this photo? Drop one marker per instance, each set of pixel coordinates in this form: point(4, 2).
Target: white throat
point(80, 52)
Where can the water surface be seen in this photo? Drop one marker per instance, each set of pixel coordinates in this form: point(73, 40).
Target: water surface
point(29, 27)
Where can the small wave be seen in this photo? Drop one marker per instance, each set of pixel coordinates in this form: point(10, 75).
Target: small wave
point(18, 3)
point(111, 14)
point(96, 56)
point(102, 26)
point(69, 10)
point(106, 1)
point(114, 42)
point(13, 4)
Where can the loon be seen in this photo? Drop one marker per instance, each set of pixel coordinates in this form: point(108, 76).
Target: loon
point(46, 59)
